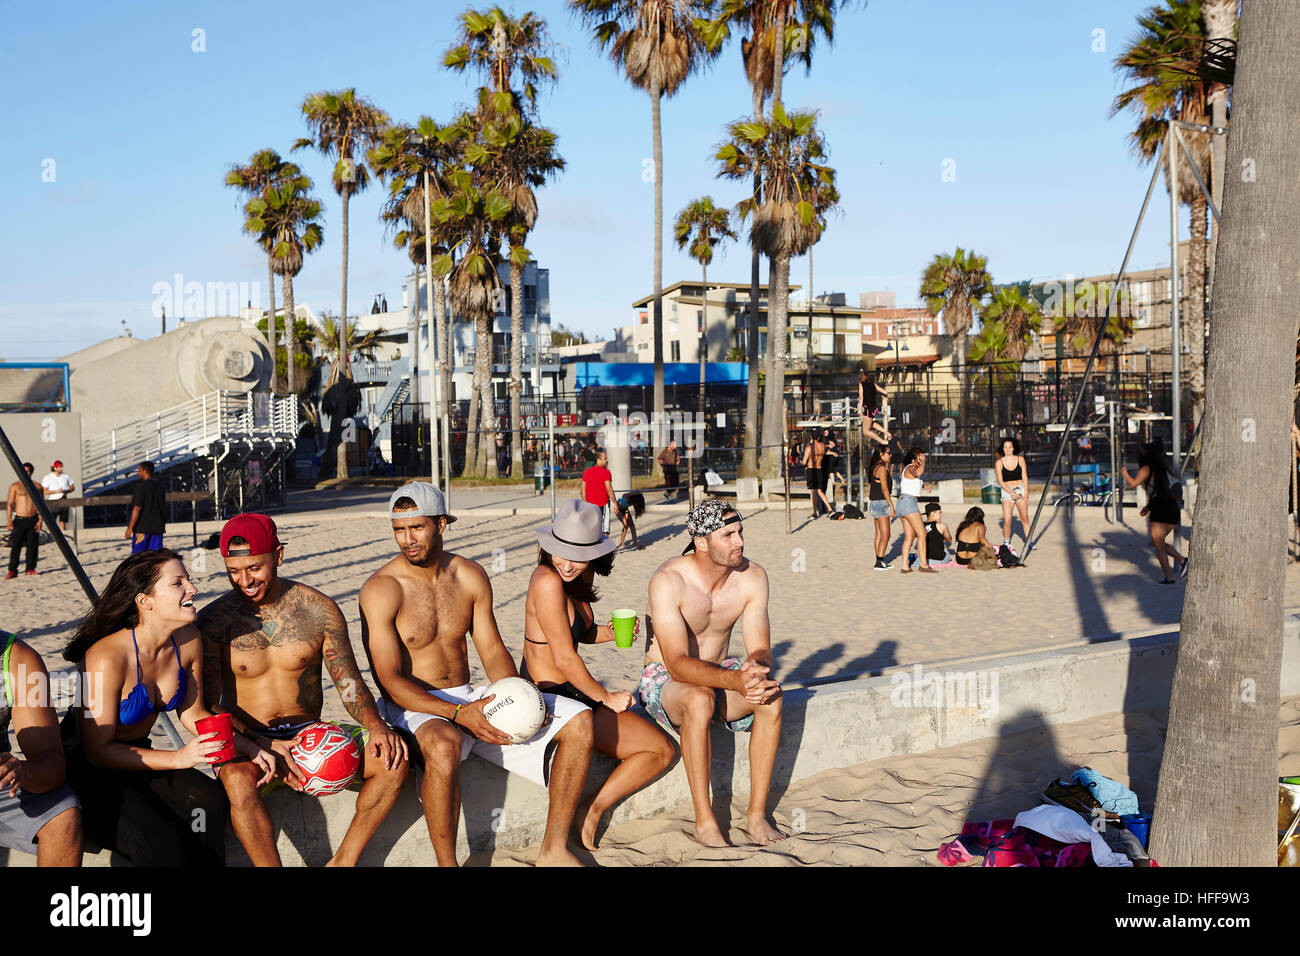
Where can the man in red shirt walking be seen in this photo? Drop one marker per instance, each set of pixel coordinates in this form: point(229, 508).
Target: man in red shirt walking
point(598, 488)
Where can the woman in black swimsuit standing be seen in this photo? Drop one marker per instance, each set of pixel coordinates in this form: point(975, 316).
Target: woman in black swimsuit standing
point(880, 503)
point(1011, 474)
point(557, 618)
point(1163, 508)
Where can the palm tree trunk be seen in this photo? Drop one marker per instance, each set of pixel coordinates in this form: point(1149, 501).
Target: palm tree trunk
point(658, 417)
point(486, 462)
point(343, 306)
point(270, 316)
point(778, 55)
point(749, 456)
point(1223, 711)
point(436, 329)
point(704, 334)
point(778, 306)
point(291, 353)
point(516, 363)
point(1194, 334)
point(1219, 16)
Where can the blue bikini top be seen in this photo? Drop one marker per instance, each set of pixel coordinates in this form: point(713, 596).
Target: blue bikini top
point(138, 705)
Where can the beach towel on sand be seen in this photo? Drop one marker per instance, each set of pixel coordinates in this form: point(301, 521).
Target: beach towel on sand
point(1002, 843)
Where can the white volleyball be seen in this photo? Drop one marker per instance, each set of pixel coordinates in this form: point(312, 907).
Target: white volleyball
point(517, 708)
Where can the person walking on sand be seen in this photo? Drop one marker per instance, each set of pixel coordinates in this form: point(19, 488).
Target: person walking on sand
point(557, 618)
point(669, 458)
point(881, 502)
point(24, 524)
point(148, 521)
point(598, 489)
point(689, 680)
point(1164, 505)
point(910, 487)
point(58, 486)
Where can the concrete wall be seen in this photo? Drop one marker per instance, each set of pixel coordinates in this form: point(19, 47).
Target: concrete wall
point(837, 724)
point(110, 388)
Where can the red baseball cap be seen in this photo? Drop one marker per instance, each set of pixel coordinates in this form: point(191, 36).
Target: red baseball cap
point(257, 530)
point(57, 464)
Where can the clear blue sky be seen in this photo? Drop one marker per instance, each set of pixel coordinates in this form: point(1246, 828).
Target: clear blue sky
point(141, 130)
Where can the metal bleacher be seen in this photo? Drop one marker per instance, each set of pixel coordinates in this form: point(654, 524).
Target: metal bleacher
point(175, 436)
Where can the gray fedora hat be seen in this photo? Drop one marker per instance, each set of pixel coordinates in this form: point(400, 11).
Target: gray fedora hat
point(575, 534)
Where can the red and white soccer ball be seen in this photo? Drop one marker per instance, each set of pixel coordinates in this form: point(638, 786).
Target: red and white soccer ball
point(328, 757)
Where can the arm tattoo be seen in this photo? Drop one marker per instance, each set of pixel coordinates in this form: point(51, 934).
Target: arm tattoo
point(343, 670)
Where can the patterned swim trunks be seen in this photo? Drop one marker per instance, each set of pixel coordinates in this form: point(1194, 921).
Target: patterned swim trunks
point(651, 688)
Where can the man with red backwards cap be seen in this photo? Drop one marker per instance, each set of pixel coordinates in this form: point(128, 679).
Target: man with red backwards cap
point(263, 644)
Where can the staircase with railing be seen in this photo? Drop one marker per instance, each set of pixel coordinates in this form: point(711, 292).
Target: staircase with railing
point(180, 434)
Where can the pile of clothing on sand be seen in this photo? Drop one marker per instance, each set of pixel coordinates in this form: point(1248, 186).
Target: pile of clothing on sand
point(1087, 820)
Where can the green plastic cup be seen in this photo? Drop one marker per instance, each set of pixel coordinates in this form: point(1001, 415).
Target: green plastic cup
point(624, 624)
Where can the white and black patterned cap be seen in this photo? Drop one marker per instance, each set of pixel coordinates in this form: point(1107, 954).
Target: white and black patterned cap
point(707, 517)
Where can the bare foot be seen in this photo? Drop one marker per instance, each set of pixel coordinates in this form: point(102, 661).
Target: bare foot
point(561, 857)
point(762, 832)
point(709, 834)
point(585, 824)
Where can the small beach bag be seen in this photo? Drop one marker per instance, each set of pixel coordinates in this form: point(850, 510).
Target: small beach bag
point(985, 560)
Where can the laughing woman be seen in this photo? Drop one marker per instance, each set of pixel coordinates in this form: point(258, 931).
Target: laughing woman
point(557, 618)
point(139, 656)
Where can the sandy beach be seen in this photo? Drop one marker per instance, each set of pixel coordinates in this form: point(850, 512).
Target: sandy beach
point(832, 618)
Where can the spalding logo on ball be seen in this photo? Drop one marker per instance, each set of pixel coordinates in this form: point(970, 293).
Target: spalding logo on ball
point(518, 709)
point(328, 757)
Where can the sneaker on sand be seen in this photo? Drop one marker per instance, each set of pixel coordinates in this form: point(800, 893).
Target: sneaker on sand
point(1076, 797)
point(11, 575)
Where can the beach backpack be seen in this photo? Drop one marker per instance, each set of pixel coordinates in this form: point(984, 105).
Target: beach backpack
point(984, 560)
point(1006, 558)
point(852, 511)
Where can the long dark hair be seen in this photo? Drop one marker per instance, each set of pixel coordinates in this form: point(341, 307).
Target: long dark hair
point(974, 516)
point(578, 589)
point(1152, 455)
point(116, 609)
point(912, 454)
point(1015, 445)
point(636, 501)
point(877, 459)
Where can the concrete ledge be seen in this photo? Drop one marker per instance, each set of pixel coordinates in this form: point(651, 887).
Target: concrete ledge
point(906, 710)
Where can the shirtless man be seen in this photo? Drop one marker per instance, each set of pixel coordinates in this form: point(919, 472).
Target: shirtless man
point(812, 463)
point(415, 613)
point(263, 645)
point(24, 524)
point(689, 681)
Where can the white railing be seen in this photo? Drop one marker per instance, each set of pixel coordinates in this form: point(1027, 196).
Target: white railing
point(179, 433)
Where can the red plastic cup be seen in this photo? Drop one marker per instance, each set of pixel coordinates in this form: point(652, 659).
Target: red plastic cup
point(218, 724)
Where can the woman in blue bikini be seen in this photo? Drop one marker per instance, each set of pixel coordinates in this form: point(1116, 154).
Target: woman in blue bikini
point(139, 656)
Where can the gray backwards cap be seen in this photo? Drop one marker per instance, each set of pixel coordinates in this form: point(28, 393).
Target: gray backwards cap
point(429, 502)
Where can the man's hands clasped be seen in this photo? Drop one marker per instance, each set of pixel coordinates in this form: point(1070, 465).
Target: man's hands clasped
point(756, 687)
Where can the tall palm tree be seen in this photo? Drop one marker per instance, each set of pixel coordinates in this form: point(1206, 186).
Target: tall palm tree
point(343, 127)
point(408, 157)
point(286, 222)
point(1076, 317)
point(657, 44)
point(700, 227)
point(1216, 801)
point(264, 170)
point(474, 212)
point(758, 19)
point(1220, 17)
point(798, 193)
point(1020, 317)
point(1161, 62)
point(502, 47)
point(954, 285)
